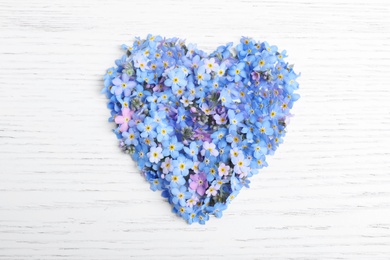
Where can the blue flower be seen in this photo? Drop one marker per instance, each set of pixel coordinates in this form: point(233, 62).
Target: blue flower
point(259, 149)
point(265, 128)
point(217, 209)
point(123, 84)
point(223, 52)
point(164, 132)
point(172, 147)
point(203, 217)
point(180, 195)
point(201, 76)
point(176, 78)
point(145, 76)
point(130, 137)
point(248, 130)
point(225, 97)
point(175, 179)
point(224, 153)
point(182, 165)
point(235, 120)
point(219, 137)
point(147, 128)
point(140, 92)
point(155, 184)
point(237, 71)
point(192, 150)
point(140, 156)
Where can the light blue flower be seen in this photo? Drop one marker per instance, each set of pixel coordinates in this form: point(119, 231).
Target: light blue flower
point(163, 132)
point(192, 151)
point(172, 147)
point(147, 129)
point(176, 78)
point(180, 195)
point(237, 71)
point(201, 76)
point(182, 165)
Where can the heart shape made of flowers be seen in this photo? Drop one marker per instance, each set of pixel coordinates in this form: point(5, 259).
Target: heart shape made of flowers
point(199, 126)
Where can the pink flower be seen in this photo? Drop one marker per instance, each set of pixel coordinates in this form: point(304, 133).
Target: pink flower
point(124, 119)
point(223, 170)
point(211, 148)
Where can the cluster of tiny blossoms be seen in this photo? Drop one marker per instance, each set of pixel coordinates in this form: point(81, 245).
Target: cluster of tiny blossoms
point(199, 126)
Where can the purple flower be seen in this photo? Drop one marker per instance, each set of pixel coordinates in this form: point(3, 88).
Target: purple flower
point(220, 119)
point(202, 135)
point(199, 183)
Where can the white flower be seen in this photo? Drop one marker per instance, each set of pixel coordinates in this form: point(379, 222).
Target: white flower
point(155, 154)
point(210, 65)
point(235, 152)
point(167, 166)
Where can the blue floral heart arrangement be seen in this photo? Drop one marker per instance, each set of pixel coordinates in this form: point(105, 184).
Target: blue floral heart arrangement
point(199, 126)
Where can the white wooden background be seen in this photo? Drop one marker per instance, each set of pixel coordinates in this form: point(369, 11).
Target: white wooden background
point(67, 192)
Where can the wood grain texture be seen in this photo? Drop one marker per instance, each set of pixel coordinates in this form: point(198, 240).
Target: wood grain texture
point(67, 192)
